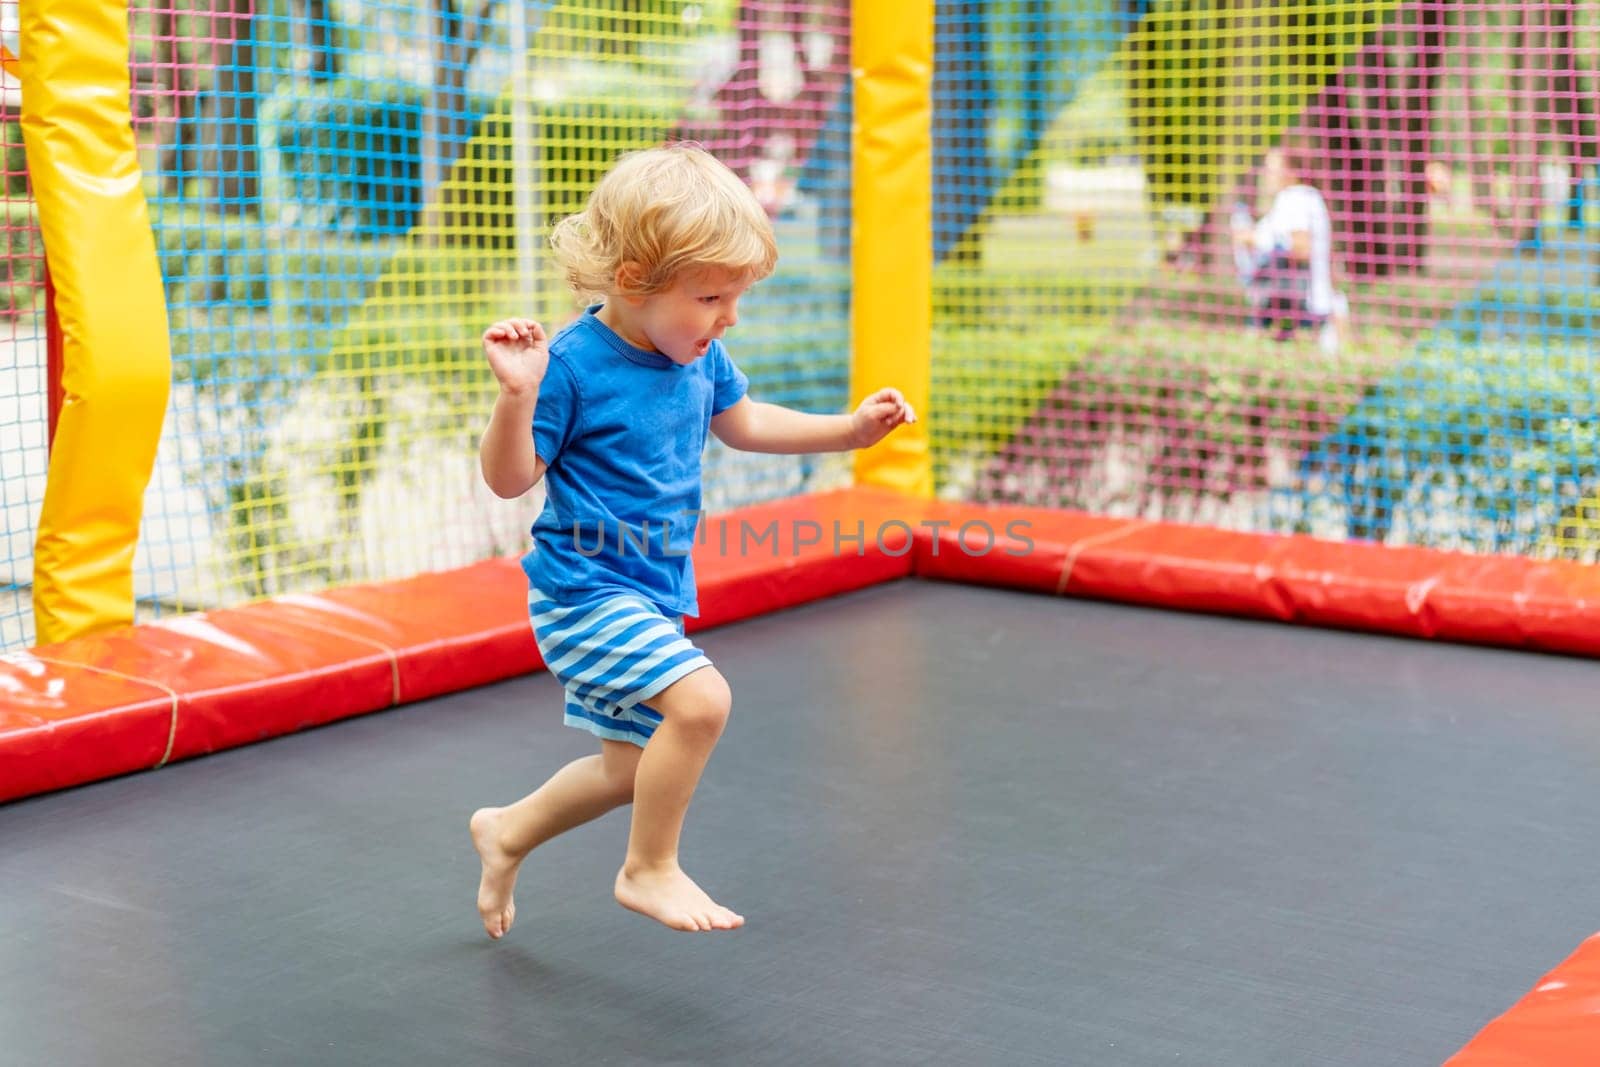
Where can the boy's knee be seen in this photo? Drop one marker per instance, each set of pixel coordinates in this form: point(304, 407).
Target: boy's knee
point(700, 701)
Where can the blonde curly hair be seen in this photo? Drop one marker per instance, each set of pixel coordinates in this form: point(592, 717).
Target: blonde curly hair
point(665, 211)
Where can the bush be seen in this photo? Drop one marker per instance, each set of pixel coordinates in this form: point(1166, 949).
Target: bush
point(1547, 308)
point(988, 381)
point(16, 160)
point(210, 258)
point(349, 153)
point(22, 274)
point(1482, 447)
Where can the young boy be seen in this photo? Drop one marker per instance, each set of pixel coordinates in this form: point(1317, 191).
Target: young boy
point(619, 404)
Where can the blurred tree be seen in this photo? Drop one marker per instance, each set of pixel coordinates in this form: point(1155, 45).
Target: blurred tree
point(229, 157)
point(175, 84)
point(454, 40)
point(963, 104)
point(314, 39)
point(1572, 99)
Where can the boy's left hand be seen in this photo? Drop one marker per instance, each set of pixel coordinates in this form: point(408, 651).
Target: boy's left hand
point(877, 415)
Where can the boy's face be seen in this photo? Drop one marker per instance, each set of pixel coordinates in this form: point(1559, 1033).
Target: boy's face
point(682, 320)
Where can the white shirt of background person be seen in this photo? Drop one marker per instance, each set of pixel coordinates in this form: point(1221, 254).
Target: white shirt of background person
point(1301, 209)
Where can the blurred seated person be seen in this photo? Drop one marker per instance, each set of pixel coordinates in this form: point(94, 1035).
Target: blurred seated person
point(1285, 259)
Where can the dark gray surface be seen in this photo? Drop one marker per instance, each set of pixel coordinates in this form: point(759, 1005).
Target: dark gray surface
point(966, 827)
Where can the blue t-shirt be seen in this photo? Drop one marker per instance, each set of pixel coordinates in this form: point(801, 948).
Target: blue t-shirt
point(621, 431)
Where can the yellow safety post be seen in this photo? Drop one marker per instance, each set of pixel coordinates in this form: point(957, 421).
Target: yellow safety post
point(892, 206)
point(111, 306)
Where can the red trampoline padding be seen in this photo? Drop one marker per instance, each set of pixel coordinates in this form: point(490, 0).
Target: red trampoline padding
point(103, 705)
point(237, 678)
point(134, 698)
point(1019, 548)
point(772, 556)
point(1550, 605)
point(62, 724)
point(445, 631)
point(1557, 1024)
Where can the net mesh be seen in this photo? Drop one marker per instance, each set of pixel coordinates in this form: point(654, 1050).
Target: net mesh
point(1272, 265)
point(1325, 268)
point(345, 197)
point(24, 407)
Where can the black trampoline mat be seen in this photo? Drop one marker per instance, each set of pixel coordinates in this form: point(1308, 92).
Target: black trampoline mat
point(966, 826)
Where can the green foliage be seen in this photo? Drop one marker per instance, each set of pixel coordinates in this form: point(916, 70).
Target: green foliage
point(15, 160)
point(251, 305)
point(1189, 74)
point(349, 152)
point(22, 272)
point(988, 379)
point(1504, 437)
point(1466, 445)
point(1205, 405)
point(210, 258)
point(1530, 310)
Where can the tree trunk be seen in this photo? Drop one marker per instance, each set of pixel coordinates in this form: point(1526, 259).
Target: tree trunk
point(445, 124)
point(963, 93)
point(1249, 32)
point(176, 86)
point(231, 160)
point(1480, 143)
point(312, 33)
point(1372, 257)
point(1341, 144)
point(1526, 94)
point(1564, 107)
point(1420, 86)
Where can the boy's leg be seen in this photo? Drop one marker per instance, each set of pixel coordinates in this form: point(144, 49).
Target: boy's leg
point(583, 790)
point(694, 710)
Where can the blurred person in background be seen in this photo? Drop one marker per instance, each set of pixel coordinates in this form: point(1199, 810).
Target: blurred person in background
point(1285, 258)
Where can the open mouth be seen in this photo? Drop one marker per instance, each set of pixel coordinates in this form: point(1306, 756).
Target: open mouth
point(702, 347)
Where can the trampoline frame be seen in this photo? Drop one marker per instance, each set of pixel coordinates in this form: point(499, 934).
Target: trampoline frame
point(135, 698)
point(140, 697)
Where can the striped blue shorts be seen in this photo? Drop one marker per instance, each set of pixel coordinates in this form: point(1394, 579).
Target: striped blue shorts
point(611, 653)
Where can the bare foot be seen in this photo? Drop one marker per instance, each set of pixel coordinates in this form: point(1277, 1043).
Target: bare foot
point(669, 896)
point(499, 873)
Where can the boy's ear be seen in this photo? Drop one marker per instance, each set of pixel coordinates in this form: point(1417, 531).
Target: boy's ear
point(629, 277)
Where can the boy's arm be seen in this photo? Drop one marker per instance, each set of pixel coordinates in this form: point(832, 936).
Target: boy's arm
point(756, 427)
point(519, 355)
point(506, 454)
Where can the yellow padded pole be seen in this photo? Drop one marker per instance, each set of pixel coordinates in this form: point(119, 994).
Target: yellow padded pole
point(892, 198)
point(117, 359)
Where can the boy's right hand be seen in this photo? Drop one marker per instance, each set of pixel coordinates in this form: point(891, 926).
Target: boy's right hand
point(518, 354)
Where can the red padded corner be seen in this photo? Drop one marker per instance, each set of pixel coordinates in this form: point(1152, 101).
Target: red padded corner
point(449, 630)
point(773, 556)
point(62, 724)
point(1557, 1024)
point(241, 678)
